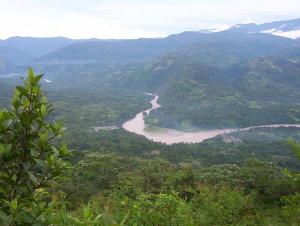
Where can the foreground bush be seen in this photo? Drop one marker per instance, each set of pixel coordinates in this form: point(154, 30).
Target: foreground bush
point(30, 157)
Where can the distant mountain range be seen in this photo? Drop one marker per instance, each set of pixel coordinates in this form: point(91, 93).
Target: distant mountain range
point(244, 76)
point(22, 51)
point(288, 28)
point(37, 47)
point(27, 50)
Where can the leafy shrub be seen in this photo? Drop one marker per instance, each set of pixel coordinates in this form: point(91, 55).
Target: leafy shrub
point(30, 156)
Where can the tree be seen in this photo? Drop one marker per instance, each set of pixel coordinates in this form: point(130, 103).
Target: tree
point(31, 157)
point(295, 148)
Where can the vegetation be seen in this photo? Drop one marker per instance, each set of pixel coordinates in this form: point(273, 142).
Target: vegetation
point(200, 95)
point(103, 188)
point(222, 79)
point(214, 80)
point(30, 159)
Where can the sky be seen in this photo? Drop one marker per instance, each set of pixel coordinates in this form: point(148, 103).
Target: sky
point(108, 19)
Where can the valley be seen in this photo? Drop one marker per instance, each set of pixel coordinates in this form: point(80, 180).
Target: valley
point(138, 126)
point(209, 86)
point(195, 128)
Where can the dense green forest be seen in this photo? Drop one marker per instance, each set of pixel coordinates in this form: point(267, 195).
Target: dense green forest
point(66, 160)
point(199, 94)
point(122, 181)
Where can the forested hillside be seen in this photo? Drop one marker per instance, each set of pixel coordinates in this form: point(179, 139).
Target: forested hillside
point(50, 186)
point(197, 94)
point(66, 157)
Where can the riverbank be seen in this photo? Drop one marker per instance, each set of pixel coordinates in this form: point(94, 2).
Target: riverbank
point(138, 126)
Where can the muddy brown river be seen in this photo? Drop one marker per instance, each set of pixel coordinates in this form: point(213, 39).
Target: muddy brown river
point(138, 126)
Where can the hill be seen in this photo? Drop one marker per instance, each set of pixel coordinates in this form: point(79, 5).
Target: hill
point(120, 51)
point(257, 91)
point(37, 47)
point(14, 56)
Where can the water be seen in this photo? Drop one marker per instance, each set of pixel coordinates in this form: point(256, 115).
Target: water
point(138, 126)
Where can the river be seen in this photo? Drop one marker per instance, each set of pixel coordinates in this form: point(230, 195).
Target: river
point(138, 126)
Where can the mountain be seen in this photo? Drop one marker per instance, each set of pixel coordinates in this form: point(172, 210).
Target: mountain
point(2, 65)
point(196, 76)
point(223, 49)
point(11, 55)
point(218, 51)
point(234, 78)
point(64, 50)
point(129, 64)
point(6, 67)
point(60, 50)
point(121, 51)
point(194, 93)
point(37, 47)
point(287, 28)
point(268, 76)
point(17, 53)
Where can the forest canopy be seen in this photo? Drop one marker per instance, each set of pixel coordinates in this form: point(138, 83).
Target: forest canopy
point(42, 184)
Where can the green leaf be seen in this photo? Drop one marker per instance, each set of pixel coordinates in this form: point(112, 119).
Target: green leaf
point(14, 177)
point(34, 153)
point(31, 75)
point(38, 78)
point(43, 110)
point(7, 123)
point(4, 218)
point(40, 162)
point(14, 204)
point(22, 90)
point(57, 128)
point(5, 148)
point(295, 148)
point(63, 151)
point(125, 219)
point(51, 160)
point(44, 99)
point(43, 139)
point(1, 115)
point(32, 177)
point(26, 103)
point(35, 89)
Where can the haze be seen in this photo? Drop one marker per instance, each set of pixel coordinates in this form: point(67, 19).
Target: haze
point(133, 18)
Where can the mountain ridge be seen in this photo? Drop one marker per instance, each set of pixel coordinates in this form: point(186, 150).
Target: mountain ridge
point(285, 28)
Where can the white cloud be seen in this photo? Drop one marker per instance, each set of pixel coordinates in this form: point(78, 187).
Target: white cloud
point(132, 18)
point(288, 34)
